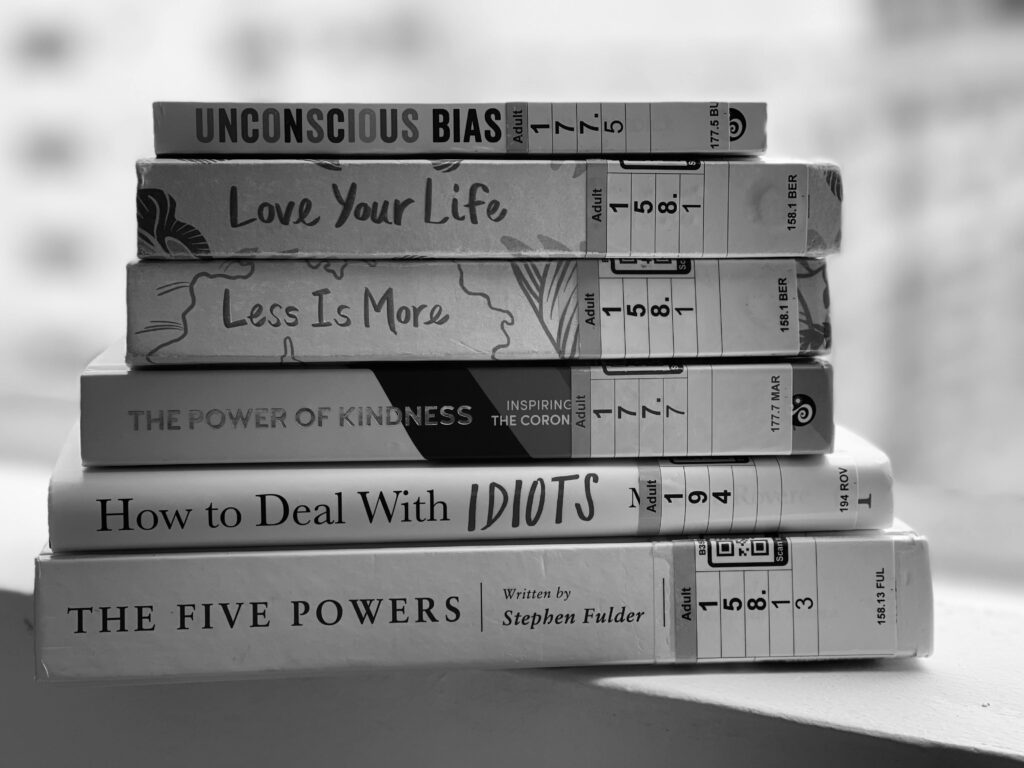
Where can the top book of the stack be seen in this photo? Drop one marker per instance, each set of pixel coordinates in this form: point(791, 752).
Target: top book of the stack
point(637, 129)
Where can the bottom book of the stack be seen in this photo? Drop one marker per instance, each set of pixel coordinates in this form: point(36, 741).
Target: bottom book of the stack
point(170, 616)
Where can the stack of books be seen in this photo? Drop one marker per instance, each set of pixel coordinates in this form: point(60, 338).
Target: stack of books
point(557, 398)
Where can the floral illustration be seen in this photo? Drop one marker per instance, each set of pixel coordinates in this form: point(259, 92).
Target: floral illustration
point(550, 287)
point(445, 166)
point(835, 182)
point(159, 230)
point(815, 336)
point(578, 168)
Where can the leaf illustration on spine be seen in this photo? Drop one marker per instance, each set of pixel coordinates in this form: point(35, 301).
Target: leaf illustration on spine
point(834, 179)
point(814, 336)
point(578, 168)
point(155, 326)
point(550, 287)
point(445, 166)
point(160, 231)
point(329, 165)
point(808, 268)
point(815, 242)
point(811, 268)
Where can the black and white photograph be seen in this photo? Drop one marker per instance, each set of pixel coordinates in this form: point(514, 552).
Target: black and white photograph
point(589, 384)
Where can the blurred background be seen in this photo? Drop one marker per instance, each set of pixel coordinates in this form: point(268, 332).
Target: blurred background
point(922, 104)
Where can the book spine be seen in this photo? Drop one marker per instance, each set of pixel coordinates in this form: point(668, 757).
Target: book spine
point(486, 209)
point(307, 611)
point(227, 311)
point(110, 509)
point(495, 412)
point(515, 128)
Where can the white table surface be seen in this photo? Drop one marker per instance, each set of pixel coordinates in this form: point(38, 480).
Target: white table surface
point(963, 706)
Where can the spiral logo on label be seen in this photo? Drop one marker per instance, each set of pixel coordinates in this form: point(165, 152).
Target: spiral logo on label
point(737, 124)
point(803, 410)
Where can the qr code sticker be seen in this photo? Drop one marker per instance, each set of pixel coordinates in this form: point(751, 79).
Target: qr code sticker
point(746, 552)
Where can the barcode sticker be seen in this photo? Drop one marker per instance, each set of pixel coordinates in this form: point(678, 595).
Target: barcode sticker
point(661, 308)
point(648, 308)
point(650, 410)
point(745, 605)
point(638, 412)
point(760, 597)
point(656, 208)
point(721, 495)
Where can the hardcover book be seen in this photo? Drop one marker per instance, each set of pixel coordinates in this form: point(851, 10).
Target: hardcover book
point(194, 507)
point(295, 311)
point(452, 412)
point(176, 616)
point(486, 209)
point(511, 128)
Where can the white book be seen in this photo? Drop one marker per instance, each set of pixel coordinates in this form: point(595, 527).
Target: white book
point(176, 616)
point(96, 509)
